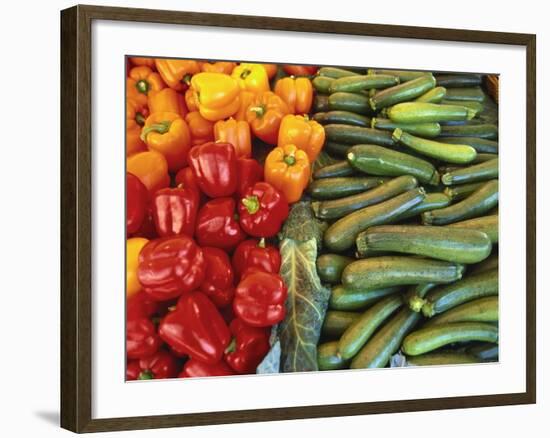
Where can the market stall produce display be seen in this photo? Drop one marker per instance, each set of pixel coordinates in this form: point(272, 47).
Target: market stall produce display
point(285, 218)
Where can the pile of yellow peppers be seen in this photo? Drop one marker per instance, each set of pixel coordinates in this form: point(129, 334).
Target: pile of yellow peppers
point(173, 105)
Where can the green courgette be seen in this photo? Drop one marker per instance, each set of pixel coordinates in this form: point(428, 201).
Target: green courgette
point(355, 84)
point(458, 80)
point(414, 297)
point(461, 191)
point(474, 94)
point(477, 107)
point(320, 103)
point(339, 169)
point(353, 102)
point(429, 130)
point(435, 95)
point(357, 135)
point(486, 351)
point(330, 267)
point(488, 264)
point(402, 92)
point(328, 358)
point(335, 72)
point(487, 131)
point(423, 112)
point(479, 144)
point(477, 172)
point(441, 358)
point(322, 84)
point(403, 75)
point(481, 310)
point(337, 321)
point(342, 117)
point(485, 224)
point(432, 201)
point(342, 298)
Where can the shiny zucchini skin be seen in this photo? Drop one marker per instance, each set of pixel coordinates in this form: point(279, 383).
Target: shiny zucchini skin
point(461, 191)
point(441, 358)
point(481, 310)
point(458, 80)
point(357, 135)
point(328, 358)
point(341, 235)
point(335, 72)
point(388, 271)
point(486, 352)
point(338, 208)
point(403, 75)
point(322, 84)
point(403, 92)
point(485, 224)
point(428, 339)
point(342, 298)
point(340, 187)
point(432, 201)
point(477, 204)
point(424, 112)
point(340, 169)
point(414, 297)
point(378, 350)
point(353, 102)
point(337, 321)
point(342, 117)
point(477, 172)
point(355, 84)
point(330, 267)
point(481, 145)
point(427, 130)
point(449, 153)
point(453, 245)
point(487, 131)
point(376, 160)
point(435, 95)
point(469, 288)
point(472, 94)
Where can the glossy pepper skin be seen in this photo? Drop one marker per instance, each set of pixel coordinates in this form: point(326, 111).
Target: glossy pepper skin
point(296, 92)
point(202, 130)
point(186, 178)
point(142, 80)
point(270, 69)
point(218, 281)
point(217, 225)
point(151, 168)
point(265, 114)
point(262, 210)
point(249, 172)
point(195, 368)
point(306, 134)
point(215, 168)
point(161, 365)
point(252, 253)
point(134, 245)
point(300, 70)
point(196, 328)
point(236, 133)
point(140, 305)
point(175, 211)
point(141, 337)
point(166, 100)
point(251, 77)
point(216, 94)
point(191, 100)
point(170, 266)
point(287, 169)
point(135, 119)
point(136, 203)
point(247, 348)
point(168, 134)
point(142, 60)
point(260, 298)
point(246, 98)
point(177, 73)
point(218, 67)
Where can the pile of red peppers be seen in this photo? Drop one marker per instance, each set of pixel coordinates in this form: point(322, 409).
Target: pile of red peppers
point(207, 286)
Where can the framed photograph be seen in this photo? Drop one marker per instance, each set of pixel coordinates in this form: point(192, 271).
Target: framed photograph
point(242, 217)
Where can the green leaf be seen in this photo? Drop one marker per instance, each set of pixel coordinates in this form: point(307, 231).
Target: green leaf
point(305, 306)
point(302, 225)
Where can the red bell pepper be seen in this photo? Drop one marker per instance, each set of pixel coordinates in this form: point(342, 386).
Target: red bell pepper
point(147, 228)
point(255, 254)
point(217, 224)
point(215, 168)
point(139, 305)
point(161, 365)
point(141, 338)
point(247, 348)
point(175, 211)
point(195, 368)
point(186, 178)
point(249, 172)
point(218, 282)
point(262, 210)
point(260, 298)
point(300, 70)
point(196, 327)
point(170, 266)
point(136, 203)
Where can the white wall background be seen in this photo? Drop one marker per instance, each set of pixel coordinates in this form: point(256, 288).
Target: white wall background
point(29, 181)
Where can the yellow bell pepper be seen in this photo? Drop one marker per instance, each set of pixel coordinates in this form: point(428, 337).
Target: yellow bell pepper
point(306, 134)
point(217, 95)
point(133, 248)
point(251, 77)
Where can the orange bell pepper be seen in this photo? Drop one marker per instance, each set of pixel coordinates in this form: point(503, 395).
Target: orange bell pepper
point(133, 248)
point(217, 95)
point(135, 119)
point(300, 70)
point(151, 169)
point(287, 169)
point(306, 134)
point(140, 82)
point(167, 100)
point(143, 60)
point(168, 134)
point(251, 77)
point(296, 92)
point(270, 69)
point(235, 132)
point(265, 114)
point(218, 67)
point(202, 130)
point(247, 97)
point(177, 72)
point(191, 100)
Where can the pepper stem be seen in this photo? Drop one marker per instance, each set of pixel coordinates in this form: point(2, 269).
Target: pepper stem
point(261, 243)
point(142, 86)
point(245, 73)
point(232, 346)
point(186, 79)
point(259, 110)
point(140, 119)
point(145, 375)
point(290, 160)
point(252, 204)
point(161, 128)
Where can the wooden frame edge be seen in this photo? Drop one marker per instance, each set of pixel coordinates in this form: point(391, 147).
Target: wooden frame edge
point(76, 192)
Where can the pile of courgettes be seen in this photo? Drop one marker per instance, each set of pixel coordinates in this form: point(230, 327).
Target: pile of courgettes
point(411, 247)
